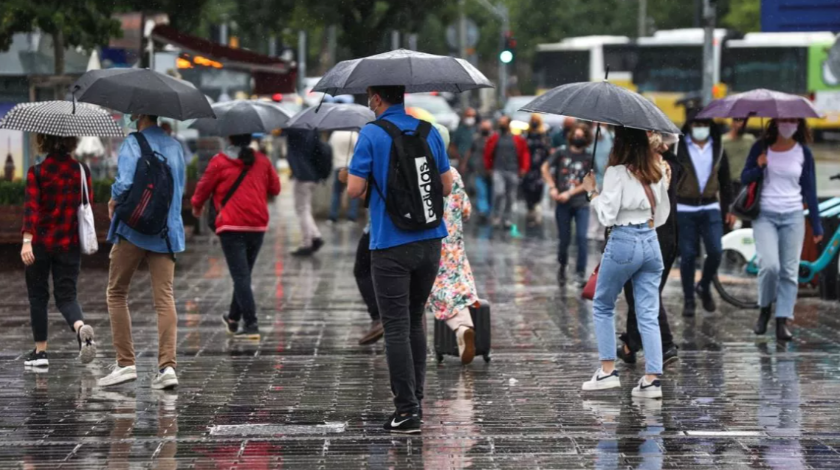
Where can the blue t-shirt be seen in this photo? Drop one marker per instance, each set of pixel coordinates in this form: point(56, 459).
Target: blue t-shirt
point(373, 155)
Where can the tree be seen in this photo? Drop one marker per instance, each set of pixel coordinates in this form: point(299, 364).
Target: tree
point(744, 16)
point(85, 23)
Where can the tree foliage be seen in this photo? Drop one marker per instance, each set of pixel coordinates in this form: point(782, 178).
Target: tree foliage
point(744, 16)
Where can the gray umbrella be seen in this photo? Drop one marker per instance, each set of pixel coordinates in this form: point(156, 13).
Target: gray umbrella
point(142, 91)
point(417, 71)
point(603, 102)
point(332, 117)
point(242, 117)
point(61, 118)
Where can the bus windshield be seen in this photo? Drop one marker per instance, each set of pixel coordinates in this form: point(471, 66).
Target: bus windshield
point(555, 68)
point(669, 69)
point(783, 69)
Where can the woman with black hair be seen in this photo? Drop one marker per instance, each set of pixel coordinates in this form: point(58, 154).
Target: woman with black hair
point(239, 180)
point(786, 164)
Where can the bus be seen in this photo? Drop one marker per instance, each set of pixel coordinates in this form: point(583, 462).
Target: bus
point(583, 59)
point(796, 63)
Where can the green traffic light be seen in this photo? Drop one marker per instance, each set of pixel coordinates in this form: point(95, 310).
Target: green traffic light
point(506, 57)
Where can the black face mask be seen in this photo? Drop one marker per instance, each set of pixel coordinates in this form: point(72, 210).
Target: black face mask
point(580, 143)
point(485, 132)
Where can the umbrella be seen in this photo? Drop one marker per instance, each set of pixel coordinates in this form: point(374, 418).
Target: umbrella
point(417, 71)
point(142, 91)
point(61, 118)
point(333, 116)
point(242, 117)
point(760, 103)
point(603, 102)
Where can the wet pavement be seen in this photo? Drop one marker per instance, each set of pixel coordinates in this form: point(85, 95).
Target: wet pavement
point(307, 396)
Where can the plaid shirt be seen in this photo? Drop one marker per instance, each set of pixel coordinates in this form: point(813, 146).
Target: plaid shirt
point(53, 196)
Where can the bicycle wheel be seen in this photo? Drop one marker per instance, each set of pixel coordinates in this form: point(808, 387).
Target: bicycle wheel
point(734, 284)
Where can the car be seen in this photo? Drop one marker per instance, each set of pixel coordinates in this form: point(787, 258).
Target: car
point(313, 98)
point(520, 119)
point(437, 106)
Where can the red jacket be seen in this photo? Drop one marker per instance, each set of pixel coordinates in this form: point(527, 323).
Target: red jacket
point(521, 151)
point(247, 210)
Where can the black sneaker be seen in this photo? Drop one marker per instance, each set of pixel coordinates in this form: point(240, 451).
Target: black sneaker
point(689, 309)
point(561, 274)
point(628, 358)
point(230, 326)
point(303, 251)
point(317, 244)
point(37, 359)
point(409, 424)
point(670, 355)
point(706, 298)
point(251, 331)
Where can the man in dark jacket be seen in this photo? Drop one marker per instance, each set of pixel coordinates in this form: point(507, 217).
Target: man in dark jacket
point(508, 158)
point(302, 147)
point(703, 198)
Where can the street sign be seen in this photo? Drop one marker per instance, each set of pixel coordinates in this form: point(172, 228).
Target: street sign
point(473, 34)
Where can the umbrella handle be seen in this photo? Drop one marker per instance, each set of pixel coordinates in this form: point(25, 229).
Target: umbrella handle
point(595, 147)
point(73, 93)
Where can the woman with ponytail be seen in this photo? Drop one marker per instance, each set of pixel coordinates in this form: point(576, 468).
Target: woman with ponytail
point(238, 182)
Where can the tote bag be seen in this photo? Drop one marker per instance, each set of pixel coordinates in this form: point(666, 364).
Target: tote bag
point(87, 232)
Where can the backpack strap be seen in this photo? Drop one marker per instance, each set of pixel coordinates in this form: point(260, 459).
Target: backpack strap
point(424, 129)
point(396, 136)
point(145, 148)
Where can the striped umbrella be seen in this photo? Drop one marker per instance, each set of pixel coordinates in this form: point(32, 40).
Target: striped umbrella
point(61, 118)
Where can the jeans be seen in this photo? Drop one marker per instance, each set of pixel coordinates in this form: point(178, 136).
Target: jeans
point(505, 187)
point(564, 214)
point(694, 226)
point(482, 190)
point(303, 208)
point(778, 242)
point(335, 204)
point(632, 338)
point(241, 250)
point(403, 277)
point(364, 280)
point(65, 273)
point(632, 253)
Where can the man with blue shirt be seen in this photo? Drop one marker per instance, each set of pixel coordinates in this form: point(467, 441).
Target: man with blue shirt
point(130, 248)
point(404, 264)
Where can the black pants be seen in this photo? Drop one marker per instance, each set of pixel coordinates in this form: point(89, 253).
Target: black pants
point(361, 271)
point(403, 277)
point(241, 250)
point(65, 272)
point(632, 338)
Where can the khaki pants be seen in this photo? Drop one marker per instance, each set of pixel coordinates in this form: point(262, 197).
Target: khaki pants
point(125, 259)
point(303, 208)
point(462, 318)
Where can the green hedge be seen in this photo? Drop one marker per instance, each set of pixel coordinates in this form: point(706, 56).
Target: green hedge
point(12, 193)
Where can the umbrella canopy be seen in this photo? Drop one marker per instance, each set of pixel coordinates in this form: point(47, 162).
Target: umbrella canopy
point(332, 117)
point(417, 71)
point(603, 102)
point(142, 91)
point(62, 118)
point(760, 103)
point(242, 117)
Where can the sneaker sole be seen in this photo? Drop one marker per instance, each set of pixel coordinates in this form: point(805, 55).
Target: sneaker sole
point(469, 347)
point(252, 337)
point(88, 351)
point(371, 339)
point(405, 431)
point(670, 361)
point(227, 327)
point(37, 363)
point(599, 387)
point(167, 385)
point(122, 380)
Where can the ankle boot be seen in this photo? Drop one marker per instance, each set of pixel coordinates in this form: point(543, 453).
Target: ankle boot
point(782, 331)
point(761, 323)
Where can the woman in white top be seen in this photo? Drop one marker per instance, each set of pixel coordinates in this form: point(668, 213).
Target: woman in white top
point(635, 177)
point(787, 169)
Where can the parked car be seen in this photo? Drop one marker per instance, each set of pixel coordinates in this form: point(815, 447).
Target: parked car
point(437, 106)
point(520, 119)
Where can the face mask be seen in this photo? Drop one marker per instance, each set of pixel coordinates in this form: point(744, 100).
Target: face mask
point(370, 104)
point(469, 121)
point(503, 129)
point(700, 134)
point(788, 129)
point(579, 143)
point(535, 125)
point(485, 132)
point(129, 123)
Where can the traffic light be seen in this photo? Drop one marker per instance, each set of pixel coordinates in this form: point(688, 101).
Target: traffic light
point(508, 53)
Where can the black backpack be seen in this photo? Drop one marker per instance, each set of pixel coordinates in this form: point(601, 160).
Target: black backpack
point(145, 206)
point(414, 198)
point(323, 161)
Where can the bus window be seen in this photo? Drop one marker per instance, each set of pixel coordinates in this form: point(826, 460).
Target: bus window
point(669, 69)
point(555, 68)
point(782, 69)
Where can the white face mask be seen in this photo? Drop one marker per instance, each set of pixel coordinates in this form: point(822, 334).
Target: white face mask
point(700, 134)
point(787, 129)
point(129, 123)
point(469, 121)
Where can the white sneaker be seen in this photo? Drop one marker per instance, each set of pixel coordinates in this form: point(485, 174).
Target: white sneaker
point(165, 380)
point(602, 381)
point(648, 390)
point(118, 375)
point(466, 344)
point(87, 346)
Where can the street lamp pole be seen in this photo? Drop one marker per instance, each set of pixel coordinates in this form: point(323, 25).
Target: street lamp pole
point(462, 46)
point(708, 50)
point(500, 11)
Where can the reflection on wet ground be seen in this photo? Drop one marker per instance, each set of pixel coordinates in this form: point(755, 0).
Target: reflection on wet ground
point(307, 396)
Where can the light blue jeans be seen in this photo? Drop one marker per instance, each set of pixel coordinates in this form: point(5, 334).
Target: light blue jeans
point(778, 242)
point(632, 252)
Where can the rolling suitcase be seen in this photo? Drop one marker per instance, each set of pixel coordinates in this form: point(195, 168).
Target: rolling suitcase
point(447, 344)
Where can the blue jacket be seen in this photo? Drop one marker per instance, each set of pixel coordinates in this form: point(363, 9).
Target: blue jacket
point(807, 181)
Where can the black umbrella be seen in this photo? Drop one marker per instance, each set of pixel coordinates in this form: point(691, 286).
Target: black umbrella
point(242, 117)
point(417, 71)
point(142, 91)
point(332, 117)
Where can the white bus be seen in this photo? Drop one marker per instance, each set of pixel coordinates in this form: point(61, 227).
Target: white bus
point(582, 59)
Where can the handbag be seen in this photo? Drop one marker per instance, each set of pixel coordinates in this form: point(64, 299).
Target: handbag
point(212, 213)
point(747, 204)
point(87, 232)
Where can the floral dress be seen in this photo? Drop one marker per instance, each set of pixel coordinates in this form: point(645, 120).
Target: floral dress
point(454, 288)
